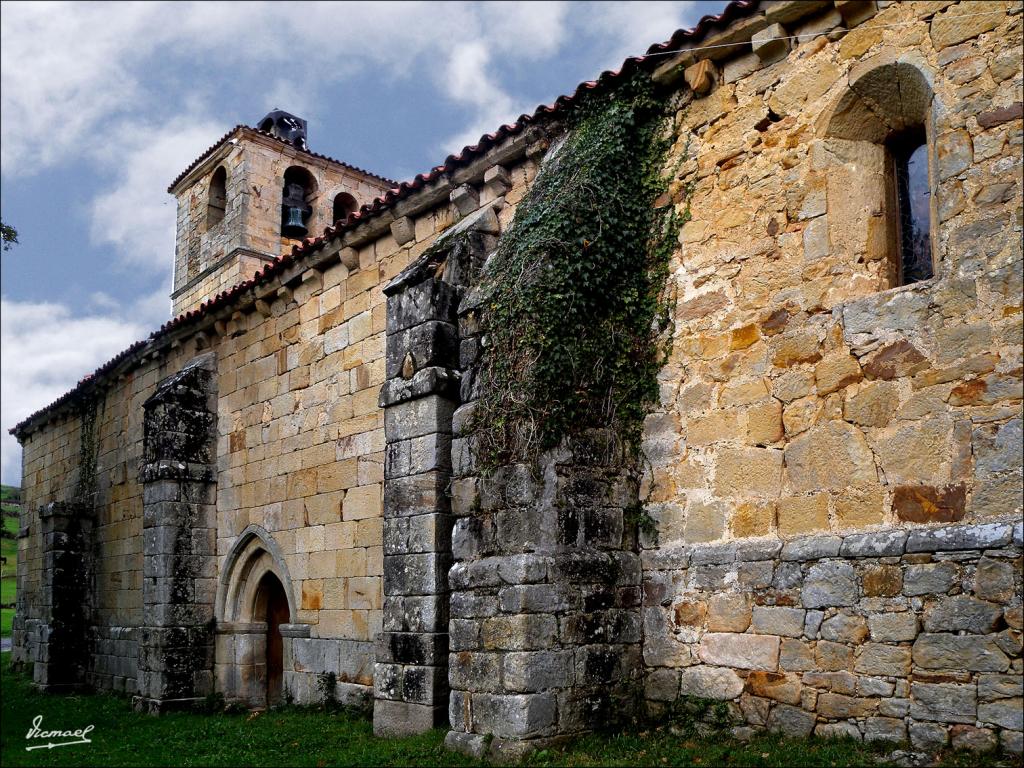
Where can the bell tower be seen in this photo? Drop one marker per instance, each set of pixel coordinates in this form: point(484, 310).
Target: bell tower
point(252, 196)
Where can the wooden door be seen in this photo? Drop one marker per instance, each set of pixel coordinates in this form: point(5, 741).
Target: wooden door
point(277, 614)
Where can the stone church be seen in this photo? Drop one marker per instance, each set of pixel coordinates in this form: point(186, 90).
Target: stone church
point(283, 493)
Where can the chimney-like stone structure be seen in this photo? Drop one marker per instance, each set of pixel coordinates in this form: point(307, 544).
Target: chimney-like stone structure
point(420, 395)
point(67, 592)
point(179, 539)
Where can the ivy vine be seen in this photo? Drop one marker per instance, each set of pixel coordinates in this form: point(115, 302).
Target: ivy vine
point(578, 321)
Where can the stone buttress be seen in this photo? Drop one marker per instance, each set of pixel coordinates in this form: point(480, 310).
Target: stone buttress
point(179, 539)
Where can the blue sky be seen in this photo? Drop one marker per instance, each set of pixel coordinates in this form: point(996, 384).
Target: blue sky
point(103, 105)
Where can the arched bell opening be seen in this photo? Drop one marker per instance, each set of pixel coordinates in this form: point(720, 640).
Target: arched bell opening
point(297, 199)
point(216, 202)
point(344, 204)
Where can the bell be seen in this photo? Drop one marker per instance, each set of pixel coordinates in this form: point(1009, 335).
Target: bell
point(293, 224)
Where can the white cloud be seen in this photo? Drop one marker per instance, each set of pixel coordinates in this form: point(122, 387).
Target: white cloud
point(44, 351)
point(71, 70)
point(135, 214)
point(84, 81)
point(630, 28)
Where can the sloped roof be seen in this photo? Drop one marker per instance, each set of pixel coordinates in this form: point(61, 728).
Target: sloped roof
point(734, 10)
point(219, 142)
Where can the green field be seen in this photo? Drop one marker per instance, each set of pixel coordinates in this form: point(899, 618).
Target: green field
point(309, 737)
point(9, 550)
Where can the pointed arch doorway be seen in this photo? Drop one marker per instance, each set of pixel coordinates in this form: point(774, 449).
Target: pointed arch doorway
point(271, 607)
point(255, 608)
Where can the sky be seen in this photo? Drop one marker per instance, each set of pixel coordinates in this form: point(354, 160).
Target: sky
point(102, 105)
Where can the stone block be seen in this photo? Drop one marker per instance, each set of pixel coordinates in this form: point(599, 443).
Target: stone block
point(845, 628)
point(831, 455)
point(416, 574)
point(954, 26)
point(771, 43)
point(396, 719)
point(803, 514)
point(929, 736)
point(880, 659)
point(928, 504)
point(729, 612)
point(740, 651)
point(429, 344)
point(943, 702)
point(856, 12)
point(929, 578)
point(1006, 713)
point(497, 179)
point(962, 613)
point(813, 547)
point(829, 584)
point(836, 371)
point(416, 495)
point(993, 580)
point(775, 685)
point(416, 418)
point(796, 656)
point(420, 303)
point(465, 199)
point(403, 230)
point(791, 721)
point(662, 685)
point(1012, 742)
point(429, 453)
point(885, 729)
point(993, 687)
point(875, 686)
point(701, 77)
point(710, 683)
point(515, 633)
point(816, 239)
point(787, 622)
point(514, 715)
point(840, 730)
point(953, 652)
point(833, 657)
point(973, 739)
point(893, 627)
point(748, 472)
point(878, 544)
point(765, 549)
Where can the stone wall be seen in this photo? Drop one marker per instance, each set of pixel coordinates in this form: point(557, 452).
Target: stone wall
point(892, 635)
point(299, 456)
point(809, 395)
point(804, 393)
point(107, 507)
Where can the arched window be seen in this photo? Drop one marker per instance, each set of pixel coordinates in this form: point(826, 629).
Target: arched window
point(908, 152)
point(888, 106)
point(216, 201)
point(297, 199)
point(344, 204)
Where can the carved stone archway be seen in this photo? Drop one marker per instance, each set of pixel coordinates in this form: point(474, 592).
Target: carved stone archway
point(242, 640)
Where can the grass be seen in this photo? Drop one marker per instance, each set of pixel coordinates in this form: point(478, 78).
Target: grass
point(9, 550)
point(9, 493)
point(304, 737)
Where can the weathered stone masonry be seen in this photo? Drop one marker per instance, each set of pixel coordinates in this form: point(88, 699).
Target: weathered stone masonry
point(179, 539)
point(889, 635)
point(835, 462)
